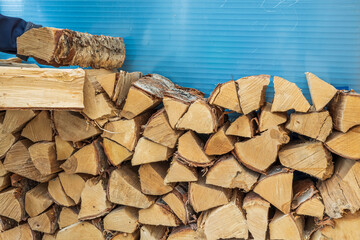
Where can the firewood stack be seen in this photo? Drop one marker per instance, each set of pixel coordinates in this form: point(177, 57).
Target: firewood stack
point(147, 159)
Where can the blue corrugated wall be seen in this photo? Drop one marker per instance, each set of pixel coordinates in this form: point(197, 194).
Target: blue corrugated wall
point(199, 43)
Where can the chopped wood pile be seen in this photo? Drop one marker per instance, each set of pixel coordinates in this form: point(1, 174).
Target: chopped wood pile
point(147, 159)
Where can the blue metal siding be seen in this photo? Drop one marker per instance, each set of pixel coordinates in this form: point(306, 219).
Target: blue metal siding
point(199, 43)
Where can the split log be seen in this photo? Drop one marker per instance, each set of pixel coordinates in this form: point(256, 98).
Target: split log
point(145, 93)
point(339, 143)
point(288, 96)
point(6, 141)
point(321, 92)
point(15, 119)
point(225, 95)
point(37, 200)
point(243, 126)
point(345, 110)
point(341, 192)
point(50, 88)
point(45, 222)
point(308, 157)
point(67, 217)
point(148, 232)
point(80, 230)
point(125, 132)
point(177, 200)
point(122, 87)
point(260, 152)
point(183, 233)
point(190, 150)
point(122, 219)
point(6, 224)
point(227, 172)
point(47, 236)
point(64, 149)
point(58, 194)
point(147, 151)
point(158, 130)
point(73, 185)
point(12, 206)
point(43, 156)
point(94, 201)
point(107, 82)
point(317, 125)
point(39, 128)
point(286, 226)
point(115, 153)
point(219, 143)
point(158, 214)
point(201, 118)
point(73, 127)
point(252, 92)
point(227, 221)
point(89, 159)
point(257, 211)
point(203, 197)
point(124, 188)
point(18, 161)
point(4, 181)
point(64, 47)
point(180, 172)
point(127, 236)
point(3, 171)
point(306, 199)
point(279, 181)
point(152, 177)
point(20, 232)
point(268, 119)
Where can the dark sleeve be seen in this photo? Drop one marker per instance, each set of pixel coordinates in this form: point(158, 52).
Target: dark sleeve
point(10, 29)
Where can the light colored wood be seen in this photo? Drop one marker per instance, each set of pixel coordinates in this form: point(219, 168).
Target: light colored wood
point(123, 84)
point(260, 152)
point(219, 143)
point(152, 177)
point(94, 201)
point(80, 230)
point(4, 182)
point(58, 194)
point(47, 236)
point(39, 128)
point(257, 211)
point(317, 125)
point(147, 151)
point(67, 217)
point(227, 172)
point(45, 222)
point(286, 226)
point(18, 161)
point(43, 156)
point(225, 95)
point(11, 60)
point(308, 157)
point(73, 185)
point(3, 171)
point(268, 119)
point(201, 118)
point(148, 232)
point(15, 119)
point(252, 92)
point(122, 219)
point(125, 132)
point(190, 149)
point(12, 204)
point(6, 141)
point(158, 130)
point(64, 149)
point(345, 110)
point(276, 188)
point(127, 236)
point(21, 232)
point(50, 88)
point(321, 92)
point(183, 233)
point(227, 221)
point(89, 159)
point(124, 188)
point(338, 143)
point(64, 47)
point(158, 214)
point(37, 200)
point(203, 197)
point(115, 153)
point(73, 127)
point(243, 126)
point(107, 82)
point(180, 172)
point(341, 192)
point(288, 96)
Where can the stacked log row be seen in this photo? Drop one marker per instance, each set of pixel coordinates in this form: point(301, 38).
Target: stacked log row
point(147, 159)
